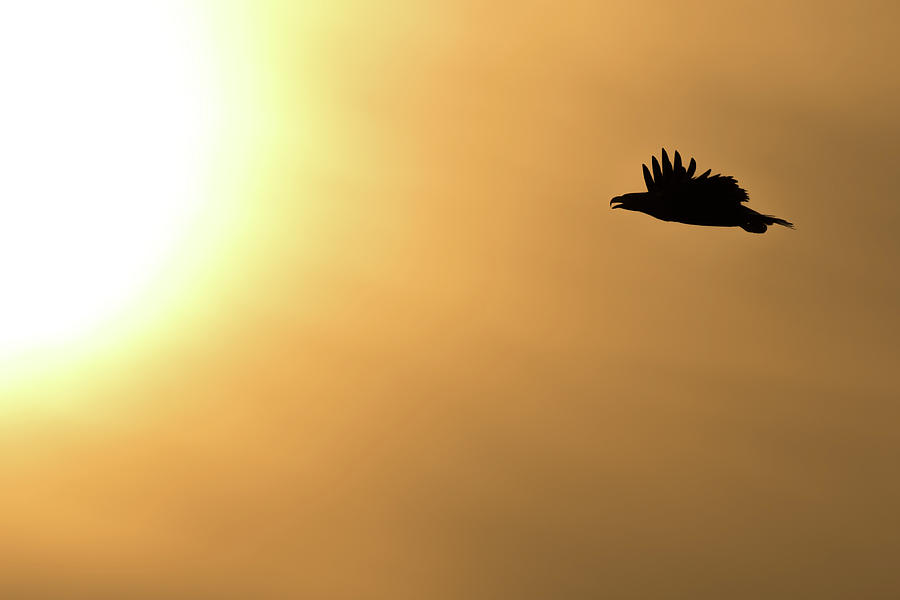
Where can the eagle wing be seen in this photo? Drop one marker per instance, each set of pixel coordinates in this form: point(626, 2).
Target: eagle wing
point(678, 183)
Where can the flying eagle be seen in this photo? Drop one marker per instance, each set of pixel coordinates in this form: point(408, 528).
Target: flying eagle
point(674, 194)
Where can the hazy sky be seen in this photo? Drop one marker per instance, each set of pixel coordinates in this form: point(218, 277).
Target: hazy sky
point(429, 362)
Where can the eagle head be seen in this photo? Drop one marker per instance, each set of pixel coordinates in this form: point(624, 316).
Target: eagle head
point(638, 201)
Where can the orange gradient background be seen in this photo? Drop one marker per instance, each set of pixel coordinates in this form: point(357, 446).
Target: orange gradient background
point(402, 348)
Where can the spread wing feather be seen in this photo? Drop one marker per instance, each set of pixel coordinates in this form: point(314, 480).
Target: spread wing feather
point(657, 174)
point(666, 165)
point(648, 178)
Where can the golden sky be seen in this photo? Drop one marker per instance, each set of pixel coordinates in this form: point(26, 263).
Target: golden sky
point(404, 350)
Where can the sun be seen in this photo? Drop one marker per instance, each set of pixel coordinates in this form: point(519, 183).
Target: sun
point(107, 112)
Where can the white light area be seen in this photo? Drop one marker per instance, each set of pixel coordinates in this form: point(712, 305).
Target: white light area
point(106, 112)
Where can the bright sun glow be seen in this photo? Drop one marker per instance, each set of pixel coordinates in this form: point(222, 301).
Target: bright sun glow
point(106, 115)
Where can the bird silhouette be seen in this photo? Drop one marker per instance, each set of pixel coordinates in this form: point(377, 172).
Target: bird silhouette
point(674, 194)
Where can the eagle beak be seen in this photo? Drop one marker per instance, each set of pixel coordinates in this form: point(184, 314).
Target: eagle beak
point(617, 201)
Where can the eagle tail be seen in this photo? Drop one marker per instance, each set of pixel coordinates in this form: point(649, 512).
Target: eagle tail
point(776, 221)
point(758, 223)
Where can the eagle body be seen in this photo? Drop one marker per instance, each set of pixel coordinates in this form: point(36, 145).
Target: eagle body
point(674, 194)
